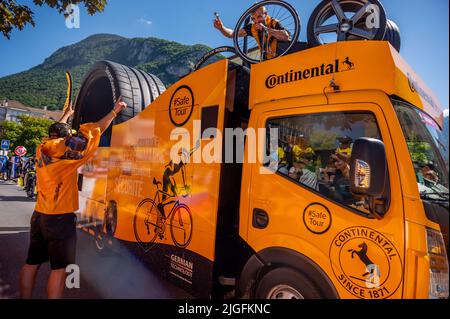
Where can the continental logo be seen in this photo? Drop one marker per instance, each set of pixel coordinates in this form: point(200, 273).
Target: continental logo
point(416, 88)
point(181, 105)
point(275, 80)
point(366, 263)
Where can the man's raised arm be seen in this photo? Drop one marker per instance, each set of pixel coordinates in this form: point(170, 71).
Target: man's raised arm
point(67, 114)
point(226, 31)
point(106, 121)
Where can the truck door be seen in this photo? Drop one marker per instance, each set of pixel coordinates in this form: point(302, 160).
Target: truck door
point(302, 196)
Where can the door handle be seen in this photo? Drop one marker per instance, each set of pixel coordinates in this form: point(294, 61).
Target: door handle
point(260, 218)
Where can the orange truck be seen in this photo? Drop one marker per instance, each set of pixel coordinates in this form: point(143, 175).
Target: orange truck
point(352, 203)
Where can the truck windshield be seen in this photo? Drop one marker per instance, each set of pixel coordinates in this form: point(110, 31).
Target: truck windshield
point(426, 147)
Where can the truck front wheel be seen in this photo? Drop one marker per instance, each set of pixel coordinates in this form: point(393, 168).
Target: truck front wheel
point(286, 283)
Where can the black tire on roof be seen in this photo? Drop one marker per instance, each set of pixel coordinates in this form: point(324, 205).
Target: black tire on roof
point(103, 85)
point(393, 34)
point(320, 20)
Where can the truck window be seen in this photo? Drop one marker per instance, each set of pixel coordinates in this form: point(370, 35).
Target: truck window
point(426, 148)
point(314, 151)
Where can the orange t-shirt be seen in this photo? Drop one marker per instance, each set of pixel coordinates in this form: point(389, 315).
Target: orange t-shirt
point(57, 179)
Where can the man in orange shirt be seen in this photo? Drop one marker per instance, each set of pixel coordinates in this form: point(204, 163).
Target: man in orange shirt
point(53, 224)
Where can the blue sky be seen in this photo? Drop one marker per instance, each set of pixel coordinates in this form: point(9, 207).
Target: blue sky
point(424, 26)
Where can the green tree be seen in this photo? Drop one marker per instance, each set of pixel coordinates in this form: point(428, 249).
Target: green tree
point(323, 140)
point(420, 151)
point(15, 15)
point(29, 132)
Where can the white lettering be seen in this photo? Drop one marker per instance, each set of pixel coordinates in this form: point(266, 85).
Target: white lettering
point(73, 279)
point(72, 16)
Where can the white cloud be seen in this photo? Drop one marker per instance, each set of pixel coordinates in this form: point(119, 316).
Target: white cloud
point(144, 21)
point(446, 113)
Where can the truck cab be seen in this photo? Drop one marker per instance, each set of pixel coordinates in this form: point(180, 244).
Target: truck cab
point(326, 99)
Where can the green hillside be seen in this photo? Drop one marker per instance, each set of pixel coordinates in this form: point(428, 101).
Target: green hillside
point(44, 85)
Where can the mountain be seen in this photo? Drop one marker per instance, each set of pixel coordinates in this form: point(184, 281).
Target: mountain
point(45, 85)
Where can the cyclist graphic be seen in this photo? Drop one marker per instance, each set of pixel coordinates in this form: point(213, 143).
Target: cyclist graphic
point(171, 169)
point(150, 218)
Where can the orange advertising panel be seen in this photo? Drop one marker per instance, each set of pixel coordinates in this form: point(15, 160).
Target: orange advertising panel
point(164, 196)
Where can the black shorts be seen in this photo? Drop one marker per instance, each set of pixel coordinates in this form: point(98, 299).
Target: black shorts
point(52, 238)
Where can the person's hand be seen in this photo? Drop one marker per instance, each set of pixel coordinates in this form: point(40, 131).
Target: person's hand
point(431, 175)
point(120, 105)
point(261, 27)
point(70, 111)
point(342, 166)
point(187, 190)
point(218, 24)
point(342, 157)
point(281, 35)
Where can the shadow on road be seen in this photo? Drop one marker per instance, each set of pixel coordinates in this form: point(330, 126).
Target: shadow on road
point(16, 199)
point(110, 276)
point(14, 229)
point(7, 183)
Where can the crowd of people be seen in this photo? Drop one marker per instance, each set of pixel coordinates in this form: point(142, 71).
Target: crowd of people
point(6, 165)
point(20, 170)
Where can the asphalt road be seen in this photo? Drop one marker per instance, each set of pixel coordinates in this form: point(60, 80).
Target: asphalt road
point(102, 276)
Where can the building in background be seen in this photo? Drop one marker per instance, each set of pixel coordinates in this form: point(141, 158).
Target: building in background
point(10, 110)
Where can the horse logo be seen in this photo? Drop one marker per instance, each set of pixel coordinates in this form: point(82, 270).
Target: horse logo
point(366, 263)
point(350, 65)
point(372, 271)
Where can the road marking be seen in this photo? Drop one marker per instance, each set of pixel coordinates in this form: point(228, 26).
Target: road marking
point(13, 230)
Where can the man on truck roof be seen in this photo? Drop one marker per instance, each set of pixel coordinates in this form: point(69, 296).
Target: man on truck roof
point(266, 31)
point(53, 224)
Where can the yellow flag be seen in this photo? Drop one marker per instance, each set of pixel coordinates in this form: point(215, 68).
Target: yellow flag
point(69, 91)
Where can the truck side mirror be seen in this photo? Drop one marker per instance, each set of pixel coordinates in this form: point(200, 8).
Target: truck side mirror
point(368, 172)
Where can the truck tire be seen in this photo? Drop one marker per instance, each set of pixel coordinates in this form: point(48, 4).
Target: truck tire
point(103, 85)
point(324, 11)
point(286, 283)
point(393, 34)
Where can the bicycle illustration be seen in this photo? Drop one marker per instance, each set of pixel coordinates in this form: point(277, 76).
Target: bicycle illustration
point(150, 218)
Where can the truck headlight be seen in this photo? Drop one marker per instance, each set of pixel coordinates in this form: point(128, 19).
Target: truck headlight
point(438, 265)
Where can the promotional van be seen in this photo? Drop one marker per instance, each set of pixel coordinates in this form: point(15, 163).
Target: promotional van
point(351, 203)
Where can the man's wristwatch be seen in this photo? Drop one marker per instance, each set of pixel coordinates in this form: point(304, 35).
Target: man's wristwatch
point(114, 112)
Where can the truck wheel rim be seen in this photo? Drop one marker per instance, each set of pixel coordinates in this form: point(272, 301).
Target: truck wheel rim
point(345, 28)
point(284, 292)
